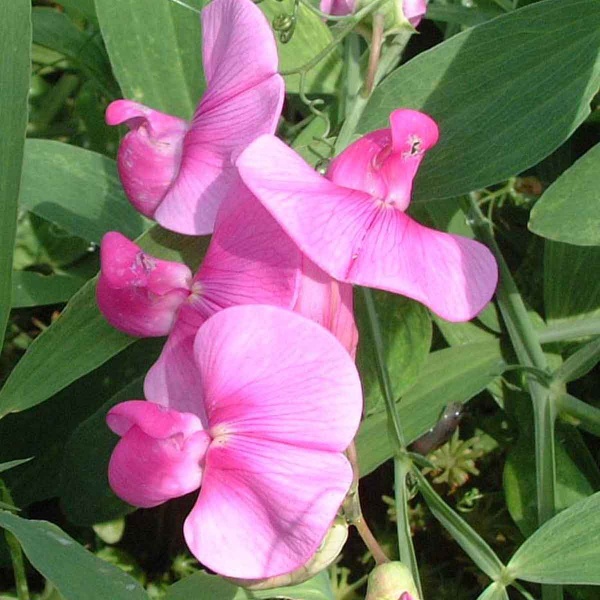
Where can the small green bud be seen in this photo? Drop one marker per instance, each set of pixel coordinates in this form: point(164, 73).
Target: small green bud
point(391, 581)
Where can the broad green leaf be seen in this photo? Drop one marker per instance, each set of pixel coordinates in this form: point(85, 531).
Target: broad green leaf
point(81, 339)
point(505, 94)
point(34, 289)
point(86, 7)
point(13, 463)
point(449, 375)
point(565, 550)
point(569, 210)
point(55, 30)
point(307, 143)
point(310, 37)
point(77, 190)
point(461, 15)
point(85, 496)
point(494, 591)
point(519, 478)
point(155, 51)
point(60, 417)
point(571, 292)
point(406, 333)
point(15, 56)
point(202, 586)
point(75, 572)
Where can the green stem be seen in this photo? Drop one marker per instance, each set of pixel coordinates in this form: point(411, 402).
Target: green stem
point(588, 417)
point(16, 553)
point(529, 352)
point(569, 330)
point(402, 466)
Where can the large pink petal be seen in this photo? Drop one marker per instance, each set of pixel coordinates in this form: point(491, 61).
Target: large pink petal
point(238, 49)
point(264, 507)
point(159, 454)
point(328, 222)
point(174, 380)
point(137, 293)
point(329, 303)
point(452, 275)
point(272, 374)
point(250, 260)
point(207, 175)
point(149, 155)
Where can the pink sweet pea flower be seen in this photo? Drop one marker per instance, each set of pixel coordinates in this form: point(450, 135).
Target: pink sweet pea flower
point(255, 430)
point(413, 10)
point(250, 260)
point(353, 223)
point(178, 172)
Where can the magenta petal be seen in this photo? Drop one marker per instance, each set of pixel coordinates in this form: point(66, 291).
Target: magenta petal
point(250, 260)
point(149, 154)
point(329, 303)
point(452, 275)
point(264, 506)
point(159, 454)
point(414, 10)
point(137, 293)
point(272, 374)
point(326, 221)
point(207, 175)
point(337, 7)
point(238, 49)
point(174, 380)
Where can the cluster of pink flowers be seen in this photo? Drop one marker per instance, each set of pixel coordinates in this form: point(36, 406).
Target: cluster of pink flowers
point(255, 396)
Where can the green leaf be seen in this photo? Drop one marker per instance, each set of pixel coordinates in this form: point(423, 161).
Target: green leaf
point(569, 210)
point(155, 51)
point(494, 591)
point(86, 7)
point(505, 94)
point(579, 363)
point(34, 289)
point(15, 57)
point(13, 463)
point(565, 550)
point(85, 496)
point(74, 571)
point(310, 37)
point(55, 30)
point(202, 586)
point(449, 375)
point(77, 190)
point(519, 478)
point(406, 340)
point(468, 539)
point(570, 293)
point(81, 339)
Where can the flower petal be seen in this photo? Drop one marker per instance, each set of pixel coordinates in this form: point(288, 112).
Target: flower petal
point(243, 100)
point(250, 260)
point(452, 275)
point(272, 374)
point(159, 454)
point(326, 221)
point(414, 10)
point(329, 303)
point(337, 7)
point(149, 155)
point(137, 293)
point(174, 380)
point(264, 507)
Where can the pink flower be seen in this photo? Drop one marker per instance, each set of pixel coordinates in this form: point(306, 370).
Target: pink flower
point(250, 260)
point(353, 225)
point(255, 431)
point(413, 10)
point(178, 172)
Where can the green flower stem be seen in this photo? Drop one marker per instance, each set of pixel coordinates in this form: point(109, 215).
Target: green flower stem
point(16, 554)
point(529, 352)
point(588, 417)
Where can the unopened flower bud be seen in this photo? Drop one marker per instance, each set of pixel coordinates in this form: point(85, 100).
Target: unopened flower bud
point(391, 581)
